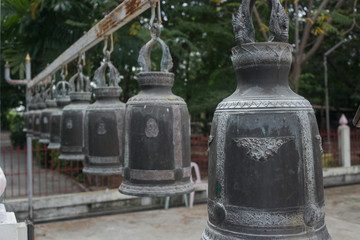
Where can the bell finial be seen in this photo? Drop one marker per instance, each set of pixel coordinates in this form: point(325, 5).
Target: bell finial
point(244, 28)
point(145, 52)
point(99, 76)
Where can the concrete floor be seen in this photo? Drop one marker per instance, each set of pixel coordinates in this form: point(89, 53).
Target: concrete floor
point(342, 219)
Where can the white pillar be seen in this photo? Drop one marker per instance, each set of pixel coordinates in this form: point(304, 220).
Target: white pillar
point(344, 142)
point(9, 228)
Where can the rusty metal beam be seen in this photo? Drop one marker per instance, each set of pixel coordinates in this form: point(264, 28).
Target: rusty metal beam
point(124, 13)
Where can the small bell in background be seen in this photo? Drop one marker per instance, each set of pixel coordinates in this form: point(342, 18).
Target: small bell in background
point(45, 116)
point(104, 122)
point(157, 131)
point(72, 144)
point(62, 99)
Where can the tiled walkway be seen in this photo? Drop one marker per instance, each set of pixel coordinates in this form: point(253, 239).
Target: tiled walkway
point(342, 218)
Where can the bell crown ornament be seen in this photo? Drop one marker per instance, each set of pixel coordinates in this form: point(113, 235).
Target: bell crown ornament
point(79, 86)
point(265, 173)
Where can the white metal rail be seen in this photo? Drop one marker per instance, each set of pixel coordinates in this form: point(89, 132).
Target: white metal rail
point(124, 13)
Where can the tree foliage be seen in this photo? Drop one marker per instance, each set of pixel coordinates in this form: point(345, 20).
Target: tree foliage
point(199, 34)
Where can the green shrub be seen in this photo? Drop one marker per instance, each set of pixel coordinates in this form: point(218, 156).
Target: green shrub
point(328, 160)
point(16, 125)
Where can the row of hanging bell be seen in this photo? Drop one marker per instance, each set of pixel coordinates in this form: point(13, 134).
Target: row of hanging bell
point(104, 122)
point(157, 131)
point(72, 142)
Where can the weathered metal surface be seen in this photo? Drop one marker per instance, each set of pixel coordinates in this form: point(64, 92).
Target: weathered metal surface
point(72, 142)
point(157, 130)
point(157, 123)
point(265, 173)
point(124, 13)
point(62, 99)
point(104, 125)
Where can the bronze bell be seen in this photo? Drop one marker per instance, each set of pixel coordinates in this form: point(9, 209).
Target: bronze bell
point(72, 144)
point(45, 116)
point(265, 172)
point(104, 124)
point(40, 106)
point(62, 99)
point(157, 133)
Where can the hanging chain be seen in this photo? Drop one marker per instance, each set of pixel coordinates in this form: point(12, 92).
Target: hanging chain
point(155, 28)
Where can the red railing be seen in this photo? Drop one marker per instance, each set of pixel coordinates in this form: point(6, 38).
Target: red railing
point(51, 176)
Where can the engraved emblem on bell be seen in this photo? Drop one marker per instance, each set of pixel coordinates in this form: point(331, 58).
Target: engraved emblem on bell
point(157, 122)
point(69, 124)
point(152, 129)
point(265, 172)
point(101, 129)
point(72, 140)
point(104, 123)
point(261, 149)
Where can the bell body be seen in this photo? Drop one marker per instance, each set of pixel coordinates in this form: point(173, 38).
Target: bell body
point(45, 121)
point(37, 118)
point(72, 145)
point(265, 172)
point(157, 140)
point(104, 133)
point(55, 127)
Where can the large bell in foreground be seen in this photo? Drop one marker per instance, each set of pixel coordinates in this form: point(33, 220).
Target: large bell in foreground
point(72, 143)
point(104, 125)
point(265, 172)
point(62, 99)
point(157, 134)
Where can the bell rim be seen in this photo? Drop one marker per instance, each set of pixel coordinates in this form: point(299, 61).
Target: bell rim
point(143, 190)
point(219, 235)
point(97, 171)
point(71, 157)
point(53, 145)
